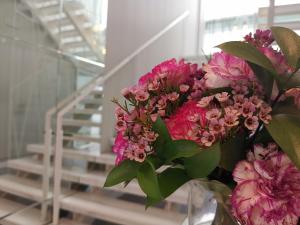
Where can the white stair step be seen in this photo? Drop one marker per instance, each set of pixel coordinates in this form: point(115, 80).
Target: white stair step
point(78, 137)
point(118, 211)
point(8, 206)
point(97, 92)
point(74, 45)
point(86, 111)
point(27, 164)
point(90, 155)
point(92, 101)
point(70, 222)
point(69, 33)
point(80, 123)
point(22, 187)
point(59, 23)
point(30, 216)
point(36, 148)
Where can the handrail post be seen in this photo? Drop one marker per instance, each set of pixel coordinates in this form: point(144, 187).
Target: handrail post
point(46, 163)
point(58, 169)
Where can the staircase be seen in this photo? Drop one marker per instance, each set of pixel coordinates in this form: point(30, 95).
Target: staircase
point(70, 27)
point(74, 162)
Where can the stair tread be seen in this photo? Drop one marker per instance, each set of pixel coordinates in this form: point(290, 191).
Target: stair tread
point(78, 137)
point(22, 187)
point(27, 164)
point(89, 154)
point(92, 101)
point(86, 111)
point(118, 211)
point(30, 216)
point(78, 122)
point(70, 222)
point(7, 207)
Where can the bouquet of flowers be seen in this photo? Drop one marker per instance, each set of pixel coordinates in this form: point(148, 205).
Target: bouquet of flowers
point(235, 120)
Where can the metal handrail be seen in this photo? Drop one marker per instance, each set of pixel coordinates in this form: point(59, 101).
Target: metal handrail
point(80, 95)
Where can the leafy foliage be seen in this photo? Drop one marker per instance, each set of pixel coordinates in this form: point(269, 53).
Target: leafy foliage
point(285, 129)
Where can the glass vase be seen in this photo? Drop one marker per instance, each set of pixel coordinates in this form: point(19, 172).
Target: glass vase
point(209, 204)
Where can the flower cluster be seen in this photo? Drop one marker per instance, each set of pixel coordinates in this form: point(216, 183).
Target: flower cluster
point(268, 190)
point(158, 93)
point(220, 115)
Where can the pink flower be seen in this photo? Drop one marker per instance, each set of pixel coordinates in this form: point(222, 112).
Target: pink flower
point(223, 68)
point(261, 38)
point(213, 114)
point(277, 59)
point(121, 125)
point(295, 93)
point(262, 153)
point(119, 147)
point(207, 139)
point(173, 96)
point(172, 72)
point(248, 109)
point(251, 123)
point(217, 126)
point(179, 123)
point(222, 97)
point(184, 88)
point(231, 120)
point(141, 95)
point(268, 192)
point(204, 102)
point(147, 78)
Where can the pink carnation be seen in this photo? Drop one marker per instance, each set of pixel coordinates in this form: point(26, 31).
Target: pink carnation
point(267, 191)
point(180, 124)
point(119, 147)
point(174, 72)
point(223, 68)
point(277, 59)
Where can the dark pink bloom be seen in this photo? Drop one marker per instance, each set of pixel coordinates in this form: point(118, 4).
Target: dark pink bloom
point(277, 59)
point(180, 124)
point(261, 38)
point(268, 191)
point(119, 147)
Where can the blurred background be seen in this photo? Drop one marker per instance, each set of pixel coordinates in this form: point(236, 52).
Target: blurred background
point(62, 61)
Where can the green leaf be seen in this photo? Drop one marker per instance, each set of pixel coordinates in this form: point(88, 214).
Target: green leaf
point(233, 151)
point(148, 181)
point(180, 149)
point(163, 136)
point(126, 171)
point(289, 43)
point(202, 164)
point(285, 129)
point(171, 179)
point(247, 52)
point(264, 76)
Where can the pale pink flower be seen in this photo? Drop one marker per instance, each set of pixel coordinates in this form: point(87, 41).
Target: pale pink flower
point(162, 102)
point(120, 114)
point(207, 139)
point(204, 102)
point(248, 109)
point(268, 191)
point(261, 153)
point(184, 88)
point(141, 95)
point(295, 93)
point(154, 117)
point(173, 96)
point(213, 114)
point(255, 100)
point(231, 120)
point(239, 99)
point(153, 85)
point(222, 97)
point(121, 125)
point(137, 128)
point(265, 117)
point(150, 136)
point(251, 123)
point(217, 126)
point(125, 92)
point(162, 112)
point(140, 156)
point(223, 68)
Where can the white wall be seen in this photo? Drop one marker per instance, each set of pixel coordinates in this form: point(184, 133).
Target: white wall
point(130, 24)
